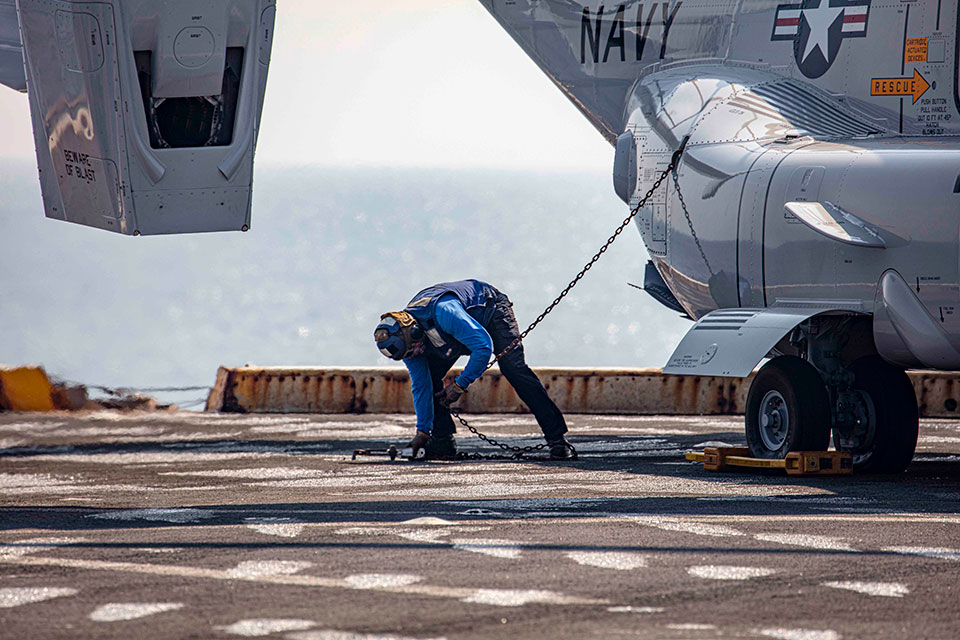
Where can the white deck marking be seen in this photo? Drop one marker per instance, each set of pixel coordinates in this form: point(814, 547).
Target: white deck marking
point(116, 611)
point(373, 433)
point(287, 426)
point(430, 520)
point(423, 535)
point(884, 589)
point(265, 626)
point(19, 483)
point(31, 427)
point(495, 548)
point(619, 560)
point(696, 528)
point(17, 596)
point(33, 545)
point(180, 437)
point(724, 572)
point(479, 512)
point(463, 492)
point(379, 580)
point(282, 527)
point(691, 626)
point(66, 489)
point(333, 634)
point(928, 552)
point(179, 571)
point(211, 487)
point(253, 569)
point(178, 516)
point(256, 474)
point(712, 443)
point(246, 421)
point(628, 444)
point(613, 484)
point(432, 536)
point(179, 457)
point(92, 432)
point(531, 504)
point(636, 431)
point(803, 540)
point(937, 439)
point(629, 609)
point(799, 634)
point(922, 518)
point(518, 597)
point(338, 482)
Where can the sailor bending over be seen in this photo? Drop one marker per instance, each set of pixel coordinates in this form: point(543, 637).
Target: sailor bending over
point(444, 322)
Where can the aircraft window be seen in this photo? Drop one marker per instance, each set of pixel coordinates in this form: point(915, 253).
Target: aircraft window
point(195, 121)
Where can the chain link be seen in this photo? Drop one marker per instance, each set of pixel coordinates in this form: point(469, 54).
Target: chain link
point(686, 214)
point(519, 452)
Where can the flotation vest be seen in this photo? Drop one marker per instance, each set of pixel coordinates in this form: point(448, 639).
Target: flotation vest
point(477, 298)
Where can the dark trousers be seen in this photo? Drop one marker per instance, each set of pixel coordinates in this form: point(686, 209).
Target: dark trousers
point(503, 328)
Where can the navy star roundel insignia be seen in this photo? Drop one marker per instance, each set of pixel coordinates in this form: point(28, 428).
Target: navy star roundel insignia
point(818, 28)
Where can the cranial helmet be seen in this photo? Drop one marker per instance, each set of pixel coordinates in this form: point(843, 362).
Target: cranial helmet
point(398, 335)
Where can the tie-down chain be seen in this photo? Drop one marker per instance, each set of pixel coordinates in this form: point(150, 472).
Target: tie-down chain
point(516, 453)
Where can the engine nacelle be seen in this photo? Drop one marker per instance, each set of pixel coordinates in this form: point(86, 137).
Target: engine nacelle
point(145, 113)
point(786, 198)
point(708, 226)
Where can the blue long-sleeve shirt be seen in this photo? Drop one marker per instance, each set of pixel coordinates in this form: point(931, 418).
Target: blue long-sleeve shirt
point(453, 319)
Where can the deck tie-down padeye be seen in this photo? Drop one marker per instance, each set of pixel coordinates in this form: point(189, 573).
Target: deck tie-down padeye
point(391, 452)
point(797, 463)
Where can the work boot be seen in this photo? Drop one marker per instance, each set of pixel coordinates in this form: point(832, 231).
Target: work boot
point(562, 450)
point(441, 448)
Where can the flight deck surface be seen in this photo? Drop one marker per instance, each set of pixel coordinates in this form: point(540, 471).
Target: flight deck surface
point(193, 525)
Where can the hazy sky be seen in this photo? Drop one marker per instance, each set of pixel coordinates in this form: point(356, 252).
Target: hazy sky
point(417, 83)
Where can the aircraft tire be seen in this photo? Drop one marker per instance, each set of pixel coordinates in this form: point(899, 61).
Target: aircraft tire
point(788, 409)
point(895, 414)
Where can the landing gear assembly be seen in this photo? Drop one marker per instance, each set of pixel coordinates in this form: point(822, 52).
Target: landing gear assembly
point(878, 415)
point(787, 409)
point(823, 380)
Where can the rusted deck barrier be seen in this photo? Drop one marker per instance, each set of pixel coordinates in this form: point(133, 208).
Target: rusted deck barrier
point(575, 390)
point(387, 390)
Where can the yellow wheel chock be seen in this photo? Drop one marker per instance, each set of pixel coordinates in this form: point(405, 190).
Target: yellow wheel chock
point(797, 463)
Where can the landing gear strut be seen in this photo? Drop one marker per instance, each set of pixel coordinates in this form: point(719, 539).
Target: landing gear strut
point(833, 383)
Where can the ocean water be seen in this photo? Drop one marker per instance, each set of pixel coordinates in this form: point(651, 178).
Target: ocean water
point(328, 252)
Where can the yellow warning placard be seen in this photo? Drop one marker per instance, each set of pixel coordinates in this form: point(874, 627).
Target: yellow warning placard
point(915, 51)
point(914, 87)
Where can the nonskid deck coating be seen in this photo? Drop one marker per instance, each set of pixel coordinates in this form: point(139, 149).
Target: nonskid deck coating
point(236, 526)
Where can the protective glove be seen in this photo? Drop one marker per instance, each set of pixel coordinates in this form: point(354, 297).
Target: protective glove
point(450, 394)
point(419, 442)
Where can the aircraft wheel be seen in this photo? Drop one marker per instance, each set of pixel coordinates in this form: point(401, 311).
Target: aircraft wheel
point(884, 437)
point(788, 409)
